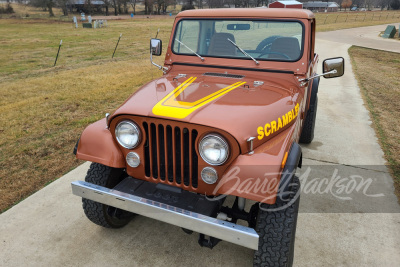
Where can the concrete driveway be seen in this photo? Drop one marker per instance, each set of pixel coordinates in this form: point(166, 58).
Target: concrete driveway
point(50, 229)
point(363, 36)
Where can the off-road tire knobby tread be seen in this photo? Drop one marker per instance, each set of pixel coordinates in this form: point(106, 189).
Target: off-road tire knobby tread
point(96, 212)
point(277, 230)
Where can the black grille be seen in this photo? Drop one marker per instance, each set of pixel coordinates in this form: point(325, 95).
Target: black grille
point(170, 154)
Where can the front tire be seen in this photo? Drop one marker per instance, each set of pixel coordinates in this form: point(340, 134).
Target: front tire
point(276, 227)
point(98, 213)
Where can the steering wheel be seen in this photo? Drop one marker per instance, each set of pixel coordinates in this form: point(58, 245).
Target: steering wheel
point(265, 44)
point(275, 53)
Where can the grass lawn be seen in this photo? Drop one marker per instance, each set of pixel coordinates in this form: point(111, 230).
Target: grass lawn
point(381, 93)
point(44, 109)
point(345, 20)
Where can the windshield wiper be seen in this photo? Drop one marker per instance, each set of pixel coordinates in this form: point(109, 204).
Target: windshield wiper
point(241, 50)
point(202, 59)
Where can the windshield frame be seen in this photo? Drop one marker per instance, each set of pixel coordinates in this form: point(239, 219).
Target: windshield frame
point(242, 19)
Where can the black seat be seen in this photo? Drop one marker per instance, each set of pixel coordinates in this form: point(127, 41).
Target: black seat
point(220, 46)
point(288, 46)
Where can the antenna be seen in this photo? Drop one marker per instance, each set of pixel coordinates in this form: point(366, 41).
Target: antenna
point(157, 32)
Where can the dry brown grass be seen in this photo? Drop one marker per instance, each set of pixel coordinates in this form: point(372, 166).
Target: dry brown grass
point(26, 11)
point(45, 109)
point(40, 125)
point(33, 11)
point(345, 20)
point(30, 46)
point(378, 75)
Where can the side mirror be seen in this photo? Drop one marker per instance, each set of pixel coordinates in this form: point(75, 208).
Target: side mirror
point(155, 47)
point(333, 67)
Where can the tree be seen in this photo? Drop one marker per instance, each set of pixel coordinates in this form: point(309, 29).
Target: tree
point(107, 4)
point(357, 3)
point(45, 4)
point(187, 7)
point(115, 8)
point(395, 4)
point(346, 4)
point(162, 5)
point(63, 5)
point(215, 3)
point(339, 2)
point(8, 10)
point(369, 4)
point(148, 7)
point(88, 6)
point(50, 5)
point(133, 4)
point(261, 2)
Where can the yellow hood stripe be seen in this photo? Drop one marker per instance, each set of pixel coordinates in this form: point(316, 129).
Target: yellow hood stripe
point(170, 107)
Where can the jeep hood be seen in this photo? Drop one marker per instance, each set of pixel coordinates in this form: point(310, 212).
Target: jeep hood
point(233, 104)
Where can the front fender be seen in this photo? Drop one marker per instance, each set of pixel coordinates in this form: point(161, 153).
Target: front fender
point(257, 176)
point(96, 144)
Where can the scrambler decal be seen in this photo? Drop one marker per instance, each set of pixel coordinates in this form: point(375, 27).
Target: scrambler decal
point(170, 107)
point(274, 126)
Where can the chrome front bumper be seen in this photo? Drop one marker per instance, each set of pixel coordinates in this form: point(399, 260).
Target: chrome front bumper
point(237, 234)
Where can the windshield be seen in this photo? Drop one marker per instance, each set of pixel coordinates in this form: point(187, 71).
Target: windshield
point(261, 39)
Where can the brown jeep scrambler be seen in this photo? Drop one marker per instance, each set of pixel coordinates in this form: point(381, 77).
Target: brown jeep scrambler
point(238, 93)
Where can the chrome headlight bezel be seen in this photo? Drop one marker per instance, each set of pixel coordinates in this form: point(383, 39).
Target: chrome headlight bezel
point(222, 141)
point(135, 127)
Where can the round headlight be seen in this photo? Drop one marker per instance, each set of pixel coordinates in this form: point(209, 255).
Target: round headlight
point(214, 149)
point(128, 134)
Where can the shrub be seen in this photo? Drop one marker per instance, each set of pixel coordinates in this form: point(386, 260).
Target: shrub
point(7, 10)
point(187, 7)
